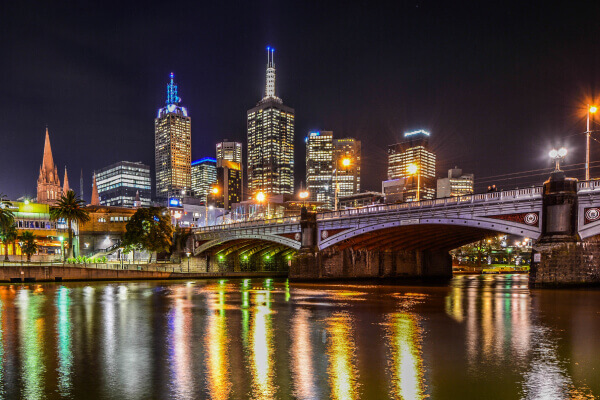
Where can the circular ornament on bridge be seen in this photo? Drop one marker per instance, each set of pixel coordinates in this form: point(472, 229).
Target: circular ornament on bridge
point(592, 214)
point(531, 219)
point(324, 235)
point(298, 236)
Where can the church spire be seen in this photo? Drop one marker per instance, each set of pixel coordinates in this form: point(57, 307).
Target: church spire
point(95, 196)
point(66, 183)
point(270, 88)
point(47, 161)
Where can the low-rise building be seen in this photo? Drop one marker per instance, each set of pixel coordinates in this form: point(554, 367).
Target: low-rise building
point(393, 190)
point(360, 200)
point(103, 233)
point(456, 184)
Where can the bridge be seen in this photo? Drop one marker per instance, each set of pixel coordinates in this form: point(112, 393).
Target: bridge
point(402, 240)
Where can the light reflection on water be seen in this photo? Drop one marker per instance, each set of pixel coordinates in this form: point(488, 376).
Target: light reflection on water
point(479, 337)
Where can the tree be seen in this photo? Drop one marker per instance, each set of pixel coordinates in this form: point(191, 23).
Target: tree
point(70, 208)
point(180, 240)
point(8, 235)
point(28, 246)
point(150, 229)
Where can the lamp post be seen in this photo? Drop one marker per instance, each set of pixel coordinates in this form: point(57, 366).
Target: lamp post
point(557, 156)
point(413, 169)
point(188, 256)
point(261, 197)
point(21, 247)
point(303, 196)
point(62, 248)
point(590, 110)
point(345, 163)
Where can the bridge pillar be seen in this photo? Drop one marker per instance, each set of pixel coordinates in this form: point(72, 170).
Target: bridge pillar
point(560, 258)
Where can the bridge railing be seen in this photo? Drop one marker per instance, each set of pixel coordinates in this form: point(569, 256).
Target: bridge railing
point(586, 186)
point(517, 194)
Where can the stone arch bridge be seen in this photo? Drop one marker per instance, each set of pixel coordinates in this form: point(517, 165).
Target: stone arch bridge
point(398, 240)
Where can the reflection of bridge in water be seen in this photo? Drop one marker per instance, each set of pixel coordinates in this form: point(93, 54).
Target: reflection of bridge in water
point(403, 240)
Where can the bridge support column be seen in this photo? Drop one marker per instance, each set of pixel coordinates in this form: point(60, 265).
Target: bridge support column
point(560, 258)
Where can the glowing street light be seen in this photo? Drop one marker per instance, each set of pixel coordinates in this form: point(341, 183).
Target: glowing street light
point(346, 162)
point(260, 197)
point(303, 196)
point(557, 156)
point(413, 169)
point(215, 190)
point(590, 110)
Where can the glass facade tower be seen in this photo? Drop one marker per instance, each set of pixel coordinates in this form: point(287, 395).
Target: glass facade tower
point(204, 177)
point(119, 183)
point(270, 141)
point(319, 167)
point(173, 147)
point(413, 150)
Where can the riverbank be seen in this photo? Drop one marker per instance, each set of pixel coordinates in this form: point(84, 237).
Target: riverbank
point(61, 273)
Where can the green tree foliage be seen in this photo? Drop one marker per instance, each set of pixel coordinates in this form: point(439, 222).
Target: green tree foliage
point(72, 209)
point(8, 231)
point(28, 246)
point(149, 229)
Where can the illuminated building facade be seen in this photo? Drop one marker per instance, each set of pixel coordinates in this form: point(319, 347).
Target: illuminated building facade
point(456, 184)
point(413, 150)
point(204, 177)
point(270, 141)
point(229, 151)
point(319, 167)
point(229, 184)
point(119, 183)
point(173, 147)
point(48, 183)
point(347, 177)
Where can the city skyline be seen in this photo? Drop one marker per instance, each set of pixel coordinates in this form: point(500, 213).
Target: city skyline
point(466, 100)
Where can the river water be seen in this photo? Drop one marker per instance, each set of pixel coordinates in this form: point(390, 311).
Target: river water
point(486, 337)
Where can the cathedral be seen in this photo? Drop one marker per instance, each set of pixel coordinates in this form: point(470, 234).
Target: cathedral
point(48, 184)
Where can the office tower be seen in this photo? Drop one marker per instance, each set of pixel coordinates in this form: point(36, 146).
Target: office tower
point(119, 183)
point(229, 184)
point(346, 162)
point(319, 167)
point(270, 141)
point(230, 151)
point(456, 184)
point(204, 176)
point(48, 183)
point(412, 159)
point(173, 147)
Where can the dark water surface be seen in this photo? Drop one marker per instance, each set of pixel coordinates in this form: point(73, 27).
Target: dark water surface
point(476, 338)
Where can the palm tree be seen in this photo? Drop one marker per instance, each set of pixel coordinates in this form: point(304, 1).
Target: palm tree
point(8, 235)
point(70, 208)
point(28, 244)
point(7, 222)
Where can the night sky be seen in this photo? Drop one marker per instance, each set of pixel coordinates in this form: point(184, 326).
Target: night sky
point(497, 84)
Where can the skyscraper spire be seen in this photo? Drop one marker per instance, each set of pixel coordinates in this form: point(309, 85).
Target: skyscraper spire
point(270, 89)
point(95, 195)
point(172, 97)
point(66, 183)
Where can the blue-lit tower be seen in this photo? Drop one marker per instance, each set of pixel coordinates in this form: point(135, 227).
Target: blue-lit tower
point(173, 147)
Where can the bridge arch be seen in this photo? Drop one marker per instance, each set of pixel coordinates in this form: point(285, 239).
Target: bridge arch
point(443, 233)
point(223, 238)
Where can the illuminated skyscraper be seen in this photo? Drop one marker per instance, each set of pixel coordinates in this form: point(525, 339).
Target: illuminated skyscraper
point(413, 150)
point(229, 184)
point(229, 151)
point(204, 176)
point(119, 184)
point(319, 167)
point(173, 147)
point(456, 184)
point(346, 159)
point(270, 141)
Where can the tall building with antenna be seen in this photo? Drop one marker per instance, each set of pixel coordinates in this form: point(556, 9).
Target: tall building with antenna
point(270, 141)
point(173, 147)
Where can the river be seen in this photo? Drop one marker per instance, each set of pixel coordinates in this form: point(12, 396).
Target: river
point(478, 337)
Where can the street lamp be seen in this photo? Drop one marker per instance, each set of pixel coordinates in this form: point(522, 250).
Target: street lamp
point(590, 110)
point(261, 197)
point(557, 155)
point(21, 247)
point(413, 169)
point(188, 256)
point(303, 196)
point(62, 247)
point(345, 163)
